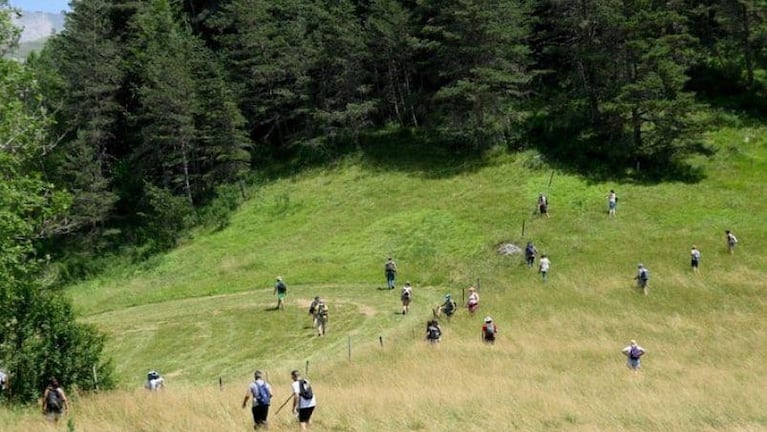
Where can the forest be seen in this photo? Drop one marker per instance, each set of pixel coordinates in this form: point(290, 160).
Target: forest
point(143, 118)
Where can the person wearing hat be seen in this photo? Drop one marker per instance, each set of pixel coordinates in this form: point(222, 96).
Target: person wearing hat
point(473, 303)
point(633, 353)
point(390, 270)
point(489, 330)
point(642, 278)
point(261, 392)
point(281, 290)
point(406, 296)
point(448, 307)
point(694, 258)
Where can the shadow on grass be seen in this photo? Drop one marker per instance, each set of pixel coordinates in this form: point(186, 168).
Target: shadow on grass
point(599, 162)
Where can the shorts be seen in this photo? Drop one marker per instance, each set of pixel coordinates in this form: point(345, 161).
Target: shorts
point(543, 208)
point(260, 413)
point(694, 263)
point(633, 363)
point(405, 301)
point(281, 296)
point(304, 414)
point(473, 307)
point(612, 205)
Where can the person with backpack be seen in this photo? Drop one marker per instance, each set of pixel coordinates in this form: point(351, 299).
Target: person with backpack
point(313, 310)
point(55, 402)
point(433, 332)
point(321, 317)
point(473, 303)
point(406, 297)
point(261, 392)
point(447, 308)
point(543, 266)
point(731, 241)
point(530, 253)
point(304, 400)
point(543, 205)
point(154, 381)
point(694, 259)
point(489, 330)
point(633, 353)
point(643, 278)
point(612, 203)
point(281, 291)
point(390, 270)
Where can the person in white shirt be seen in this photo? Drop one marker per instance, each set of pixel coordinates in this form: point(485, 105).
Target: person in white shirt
point(303, 399)
point(633, 353)
point(473, 303)
point(406, 297)
point(694, 258)
point(543, 266)
point(154, 381)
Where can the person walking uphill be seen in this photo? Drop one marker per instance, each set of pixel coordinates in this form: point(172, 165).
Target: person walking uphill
point(390, 270)
point(612, 203)
point(543, 205)
point(473, 303)
point(406, 297)
point(543, 267)
point(489, 330)
point(261, 392)
point(643, 279)
point(281, 291)
point(633, 352)
point(731, 241)
point(55, 402)
point(694, 259)
point(530, 253)
point(304, 400)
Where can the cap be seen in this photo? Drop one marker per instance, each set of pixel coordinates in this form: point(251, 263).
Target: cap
point(472, 289)
point(279, 278)
point(258, 374)
point(488, 319)
point(640, 265)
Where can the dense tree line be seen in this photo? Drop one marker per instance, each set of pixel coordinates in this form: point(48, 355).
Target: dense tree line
point(140, 112)
point(159, 102)
point(39, 337)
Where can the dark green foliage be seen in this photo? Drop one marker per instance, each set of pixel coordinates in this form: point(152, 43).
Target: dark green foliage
point(40, 337)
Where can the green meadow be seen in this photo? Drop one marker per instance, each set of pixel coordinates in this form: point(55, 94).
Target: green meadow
point(203, 314)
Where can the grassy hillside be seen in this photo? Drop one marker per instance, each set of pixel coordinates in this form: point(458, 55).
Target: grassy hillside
point(203, 312)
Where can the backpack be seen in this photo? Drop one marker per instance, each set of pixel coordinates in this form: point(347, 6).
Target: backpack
point(644, 274)
point(322, 310)
point(263, 397)
point(405, 294)
point(53, 400)
point(153, 375)
point(390, 266)
point(635, 352)
point(305, 389)
point(490, 329)
point(434, 332)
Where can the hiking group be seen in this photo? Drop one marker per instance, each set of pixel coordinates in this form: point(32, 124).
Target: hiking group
point(260, 391)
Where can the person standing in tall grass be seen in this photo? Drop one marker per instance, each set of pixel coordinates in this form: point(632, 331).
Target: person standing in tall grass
point(543, 205)
point(261, 392)
point(406, 297)
point(633, 353)
point(304, 400)
point(473, 303)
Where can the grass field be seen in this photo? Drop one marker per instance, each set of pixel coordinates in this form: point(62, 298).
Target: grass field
point(204, 312)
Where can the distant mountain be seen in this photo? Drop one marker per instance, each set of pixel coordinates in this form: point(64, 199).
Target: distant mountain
point(39, 25)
